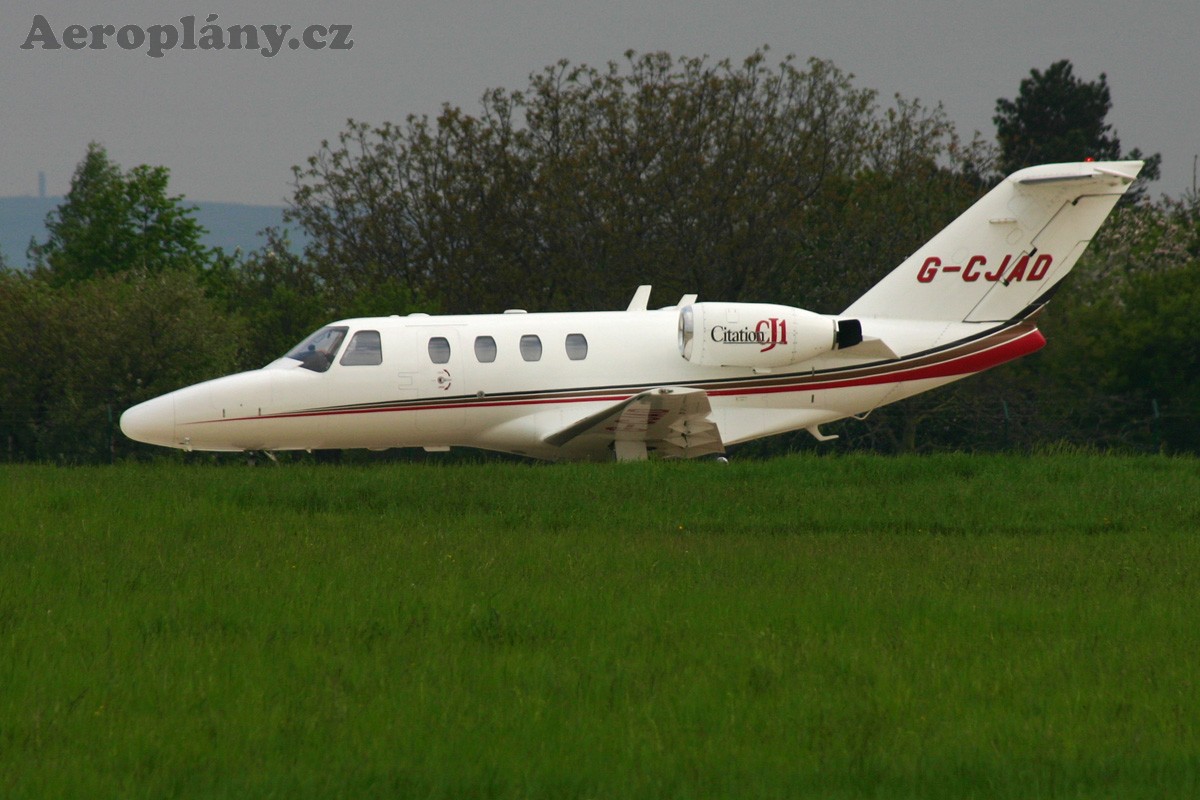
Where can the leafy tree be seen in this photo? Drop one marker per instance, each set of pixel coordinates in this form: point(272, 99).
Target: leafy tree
point(87, 351)
point(276, 294)
point(697, 177)
point(1135, 310)
point(916, 178)
point(1055, 117)
point(1058, 117)
point(113, 313)
point(113, 221)
point(29, 342)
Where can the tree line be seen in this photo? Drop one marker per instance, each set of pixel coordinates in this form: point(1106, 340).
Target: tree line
point(752, 181)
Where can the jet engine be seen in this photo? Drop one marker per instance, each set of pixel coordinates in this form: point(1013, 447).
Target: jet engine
point(759, 335)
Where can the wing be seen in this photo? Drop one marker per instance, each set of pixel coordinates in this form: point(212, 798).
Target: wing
point(674, 422)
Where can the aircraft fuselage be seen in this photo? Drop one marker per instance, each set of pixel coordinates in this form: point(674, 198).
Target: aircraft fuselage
point(504, 381)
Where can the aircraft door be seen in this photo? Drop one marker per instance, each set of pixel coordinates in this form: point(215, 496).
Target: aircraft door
point(438, 376)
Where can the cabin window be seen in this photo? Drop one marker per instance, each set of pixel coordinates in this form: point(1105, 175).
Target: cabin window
point(364, 350)
point(531, 347)
point(318, 350)
point(485, 349)
point(576, 346)
point(439, 350)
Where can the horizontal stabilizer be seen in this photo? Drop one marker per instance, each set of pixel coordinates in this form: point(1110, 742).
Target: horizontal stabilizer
point(1082, 171)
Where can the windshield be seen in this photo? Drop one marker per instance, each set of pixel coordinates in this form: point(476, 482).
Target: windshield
point(317, 351)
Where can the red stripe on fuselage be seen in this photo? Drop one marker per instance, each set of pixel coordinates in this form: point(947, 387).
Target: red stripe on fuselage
point(967, 364)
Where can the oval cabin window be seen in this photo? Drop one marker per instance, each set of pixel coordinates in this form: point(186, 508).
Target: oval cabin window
point(531, 347)
point(439, 350)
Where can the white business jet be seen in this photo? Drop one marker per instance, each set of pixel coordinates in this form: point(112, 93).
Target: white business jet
point(681, 381)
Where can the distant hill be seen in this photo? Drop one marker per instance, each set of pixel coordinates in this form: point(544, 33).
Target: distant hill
point(230, 225)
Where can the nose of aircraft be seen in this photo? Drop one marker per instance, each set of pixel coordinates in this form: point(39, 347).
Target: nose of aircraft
point(152, 422)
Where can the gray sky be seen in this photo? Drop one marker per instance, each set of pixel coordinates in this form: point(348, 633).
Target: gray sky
point(230, 124)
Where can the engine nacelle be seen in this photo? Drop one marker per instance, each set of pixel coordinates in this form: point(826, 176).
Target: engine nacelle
point(760, 335)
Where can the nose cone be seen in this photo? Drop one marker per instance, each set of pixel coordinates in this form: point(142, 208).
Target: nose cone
point(152, 422)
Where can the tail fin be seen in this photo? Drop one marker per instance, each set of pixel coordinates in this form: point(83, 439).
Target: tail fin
point(1006, 252)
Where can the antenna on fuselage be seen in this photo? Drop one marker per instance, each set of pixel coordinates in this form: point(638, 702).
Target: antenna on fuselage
point(641, 299)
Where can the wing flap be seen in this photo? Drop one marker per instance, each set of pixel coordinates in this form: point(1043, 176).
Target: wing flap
point(675, 422)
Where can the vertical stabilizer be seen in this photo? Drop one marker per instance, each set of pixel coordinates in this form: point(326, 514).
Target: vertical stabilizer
point(1006, 251)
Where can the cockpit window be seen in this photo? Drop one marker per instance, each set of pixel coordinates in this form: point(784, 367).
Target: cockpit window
point(364, 350)
point(317, 351)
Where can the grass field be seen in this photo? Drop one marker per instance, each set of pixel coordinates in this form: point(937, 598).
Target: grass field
point(944, 627)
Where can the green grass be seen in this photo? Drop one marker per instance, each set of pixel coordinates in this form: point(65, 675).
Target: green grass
point(943, 627)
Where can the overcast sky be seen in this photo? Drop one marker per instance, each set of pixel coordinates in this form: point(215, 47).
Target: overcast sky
point(230, 124)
